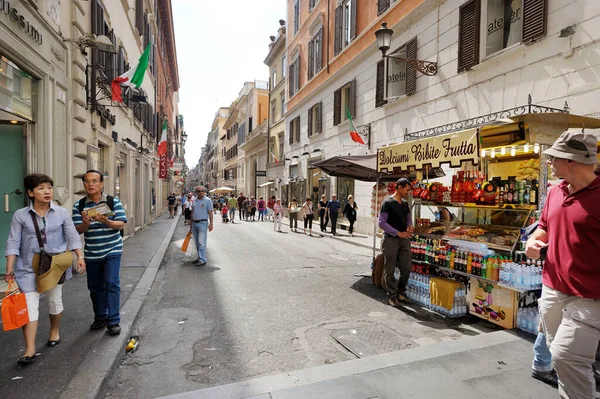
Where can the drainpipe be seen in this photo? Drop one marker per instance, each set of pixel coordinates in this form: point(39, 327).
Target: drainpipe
point(328, 44)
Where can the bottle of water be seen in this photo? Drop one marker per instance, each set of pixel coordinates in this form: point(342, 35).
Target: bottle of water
point(526, 284)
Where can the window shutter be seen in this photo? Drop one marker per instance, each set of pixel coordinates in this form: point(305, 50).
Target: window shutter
point(311, 57)
point(353, 19)
point(352, 99)
point(139, 16)
point(291, 133)
point(297, 129)
point(337, 107)
point(319, 60)
point(535, 15)
point(411, 72)
point(319, 127)
point(291, 80)
point(468, 35)
point(310, 120)
point(380, 85)
point(113, 58)
point(337, 44)
point(382, 5)
point(297, 75)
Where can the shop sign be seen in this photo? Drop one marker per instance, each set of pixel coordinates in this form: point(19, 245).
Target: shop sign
point(14, 15)
point(396, 75)
point(451, 148)
point(260, 173)
point(163, 170)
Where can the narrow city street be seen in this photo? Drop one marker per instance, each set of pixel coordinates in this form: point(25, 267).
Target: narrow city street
point(266, 303)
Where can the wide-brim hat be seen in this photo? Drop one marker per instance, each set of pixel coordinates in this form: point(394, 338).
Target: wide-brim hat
point(580, 147)
point(60, 264)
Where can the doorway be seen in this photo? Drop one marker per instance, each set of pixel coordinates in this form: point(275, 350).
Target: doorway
point(12, 164)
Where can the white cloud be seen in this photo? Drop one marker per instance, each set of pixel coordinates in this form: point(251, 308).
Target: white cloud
point(220, 45)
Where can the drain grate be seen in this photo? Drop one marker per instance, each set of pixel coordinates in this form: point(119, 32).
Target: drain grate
point(371, 340)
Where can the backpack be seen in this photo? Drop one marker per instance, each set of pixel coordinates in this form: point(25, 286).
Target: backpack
point(110, 201)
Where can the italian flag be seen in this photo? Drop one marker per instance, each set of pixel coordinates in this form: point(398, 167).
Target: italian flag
point(274, 158)
point(133, 77)
point(353, 133)
point(162, 144)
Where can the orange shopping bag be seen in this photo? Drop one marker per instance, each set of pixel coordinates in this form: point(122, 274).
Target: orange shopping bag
point(14, 308)
point(186, 242)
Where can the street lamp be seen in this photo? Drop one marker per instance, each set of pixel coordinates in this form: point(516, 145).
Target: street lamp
point(384, 41)
point(184, 137)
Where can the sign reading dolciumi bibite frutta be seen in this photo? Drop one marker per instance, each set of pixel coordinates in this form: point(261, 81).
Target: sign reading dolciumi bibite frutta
point(452, 148)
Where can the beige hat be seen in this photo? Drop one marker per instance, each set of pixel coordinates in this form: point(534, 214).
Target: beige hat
point(60, 264)
point(576, 146)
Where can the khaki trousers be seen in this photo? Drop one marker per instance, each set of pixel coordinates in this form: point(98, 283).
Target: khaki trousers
point(572, 328)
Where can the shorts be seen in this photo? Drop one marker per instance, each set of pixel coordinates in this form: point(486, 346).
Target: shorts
point(54, 298)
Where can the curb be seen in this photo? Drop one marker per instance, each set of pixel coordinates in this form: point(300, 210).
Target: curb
point(104, 353)
point(293, 379)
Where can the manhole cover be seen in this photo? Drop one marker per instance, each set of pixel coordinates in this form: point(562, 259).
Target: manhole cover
point(134, 264)
point(371, 340)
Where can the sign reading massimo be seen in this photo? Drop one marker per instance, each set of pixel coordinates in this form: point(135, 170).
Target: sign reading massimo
point(451, 148)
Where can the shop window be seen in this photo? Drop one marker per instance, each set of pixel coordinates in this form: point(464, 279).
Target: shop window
point(345, 24)
point(487, 27)
point(315, 119)
point(345, 187)
point(344, 102)
point(315, 54)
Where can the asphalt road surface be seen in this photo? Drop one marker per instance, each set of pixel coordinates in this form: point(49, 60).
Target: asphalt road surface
point(265, 303)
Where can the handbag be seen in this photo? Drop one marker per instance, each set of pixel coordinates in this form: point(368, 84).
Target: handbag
point(42, 261)
point(186, 242)
point(14, 308)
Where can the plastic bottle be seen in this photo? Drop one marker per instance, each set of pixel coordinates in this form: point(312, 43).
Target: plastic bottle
point(470, 263)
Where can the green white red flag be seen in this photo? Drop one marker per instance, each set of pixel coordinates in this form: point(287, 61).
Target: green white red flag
point(133, 77)
point(162, 144)
point(353, 133)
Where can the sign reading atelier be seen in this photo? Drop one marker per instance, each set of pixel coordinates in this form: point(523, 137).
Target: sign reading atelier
point(448, 148)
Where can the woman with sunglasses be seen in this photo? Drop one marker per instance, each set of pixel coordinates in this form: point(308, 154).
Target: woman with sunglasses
point(58, 234)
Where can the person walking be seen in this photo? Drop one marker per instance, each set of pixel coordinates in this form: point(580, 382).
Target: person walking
point(277, 215)
point(202, 223)
point(350, 213)
point(293, 210)
point(171, 200)
point(569, 228)
point(252, 205)
point(232, 204)
point(323, 215)
point(103, 249)
point(57, 233)
point(187, 209)
point(270, 205)
point(262, 209)
point(396, 222)
point(307, 209)
point(333, 211)
point(240, 200)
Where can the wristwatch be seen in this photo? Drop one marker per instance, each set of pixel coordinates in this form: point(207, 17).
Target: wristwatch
point(80, 257)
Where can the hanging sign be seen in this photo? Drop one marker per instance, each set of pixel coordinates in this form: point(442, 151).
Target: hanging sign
point(163, 170)
point(451, 148)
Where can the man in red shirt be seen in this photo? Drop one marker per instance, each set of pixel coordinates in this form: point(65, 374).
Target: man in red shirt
point(570, 229)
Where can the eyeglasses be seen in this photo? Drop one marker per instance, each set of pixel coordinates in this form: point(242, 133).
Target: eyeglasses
point(91, 182)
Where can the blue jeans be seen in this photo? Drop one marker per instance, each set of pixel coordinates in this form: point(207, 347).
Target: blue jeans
point(105, 290)
point(200, 231)
point(542, 359)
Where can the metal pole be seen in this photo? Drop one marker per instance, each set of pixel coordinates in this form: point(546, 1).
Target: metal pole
point(376, 221)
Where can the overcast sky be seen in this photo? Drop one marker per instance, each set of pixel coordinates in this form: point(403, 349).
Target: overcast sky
point(220, 45)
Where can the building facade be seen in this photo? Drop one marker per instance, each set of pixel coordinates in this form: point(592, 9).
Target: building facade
point(483, 67)
point(276, 60)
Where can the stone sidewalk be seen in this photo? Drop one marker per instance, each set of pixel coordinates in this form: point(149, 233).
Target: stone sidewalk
point(494, 365)
point(78, 366)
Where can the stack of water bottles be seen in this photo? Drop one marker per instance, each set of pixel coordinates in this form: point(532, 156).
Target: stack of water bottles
point(418, 291)
point(528, 320)
point(525, 276)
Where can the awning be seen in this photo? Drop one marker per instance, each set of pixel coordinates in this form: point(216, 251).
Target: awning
point(364, 168)
point(266, 184)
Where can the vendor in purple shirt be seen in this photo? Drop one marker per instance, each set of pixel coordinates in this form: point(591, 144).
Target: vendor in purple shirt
point(395, 221)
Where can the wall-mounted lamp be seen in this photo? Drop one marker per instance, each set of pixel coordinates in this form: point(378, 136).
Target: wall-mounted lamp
point(568, 31)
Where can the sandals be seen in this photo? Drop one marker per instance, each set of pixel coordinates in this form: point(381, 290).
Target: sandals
point(53, 343)
point(23, 360)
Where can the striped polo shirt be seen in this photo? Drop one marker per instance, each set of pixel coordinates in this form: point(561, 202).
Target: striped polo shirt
point(100, 240)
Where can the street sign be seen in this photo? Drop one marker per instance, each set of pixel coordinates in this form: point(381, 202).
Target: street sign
point(261, 173)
